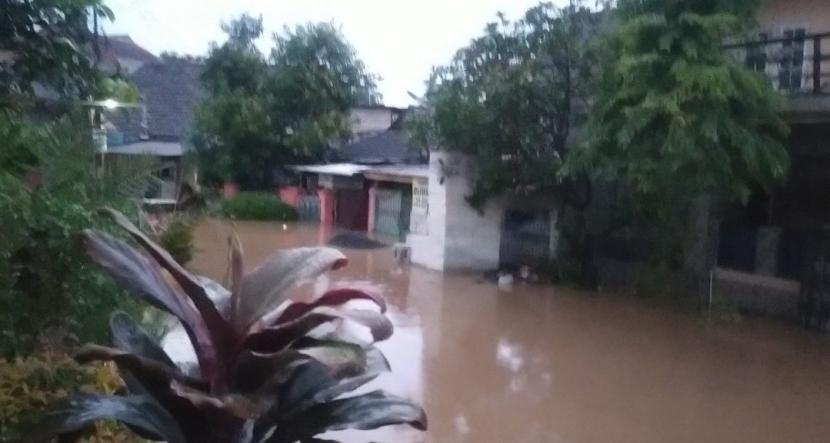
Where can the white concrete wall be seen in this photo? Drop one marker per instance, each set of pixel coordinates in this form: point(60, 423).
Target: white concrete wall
point(428, 250)
point(370, 120)
point(459, 237)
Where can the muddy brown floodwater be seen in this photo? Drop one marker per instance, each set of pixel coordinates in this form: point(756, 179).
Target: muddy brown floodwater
point(547, 364)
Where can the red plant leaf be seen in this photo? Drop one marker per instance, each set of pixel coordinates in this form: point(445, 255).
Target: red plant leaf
point(223, 338)
point(277, 338)
point(266, 287)
point(142, 277)
point(335, 297)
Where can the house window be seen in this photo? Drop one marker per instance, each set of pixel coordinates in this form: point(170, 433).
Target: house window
point(420, 207)
point(790, 69)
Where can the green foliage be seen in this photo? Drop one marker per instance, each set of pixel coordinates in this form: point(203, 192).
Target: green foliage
point(50, 190)
point(266, 369)
point(675, 117)
point(262, 113)
point(258, 206)
point(53, 47)
point(512, 97)
point(177, 238)
point(28, 385)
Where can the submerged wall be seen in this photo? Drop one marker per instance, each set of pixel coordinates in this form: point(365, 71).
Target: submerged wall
point(457, 237)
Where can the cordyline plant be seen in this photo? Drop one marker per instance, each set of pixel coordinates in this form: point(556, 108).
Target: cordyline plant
point(268, 368)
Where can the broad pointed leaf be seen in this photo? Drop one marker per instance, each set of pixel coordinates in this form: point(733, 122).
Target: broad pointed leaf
point(309, 382)
point(237, 272)
point(145, 369)
point(335, 297)
point(379, 325)
point(277, 338)
point(256, 372)
point(368, 411)
point(341, 358)
point(265, 288)
point(128, 336)
point(222, 335)
point(376, 364)
point(83, 410)
point(232, 405)
point(140, 276)
point(135, 272)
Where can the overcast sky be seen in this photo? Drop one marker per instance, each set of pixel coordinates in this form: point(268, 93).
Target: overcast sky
point(398, 40)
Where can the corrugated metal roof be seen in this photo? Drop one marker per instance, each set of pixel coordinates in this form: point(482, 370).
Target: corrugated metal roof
point(421, 171)
point(154, 148)
point(342, 169)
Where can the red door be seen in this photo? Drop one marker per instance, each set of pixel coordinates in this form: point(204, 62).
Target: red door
point(352, 209)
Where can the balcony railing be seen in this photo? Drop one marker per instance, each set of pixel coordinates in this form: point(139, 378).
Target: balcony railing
point(795, 64)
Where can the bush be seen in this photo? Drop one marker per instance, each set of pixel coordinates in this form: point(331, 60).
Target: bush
point(27, 385)
point(258, 206)
point(177, 238)
point(49, 293)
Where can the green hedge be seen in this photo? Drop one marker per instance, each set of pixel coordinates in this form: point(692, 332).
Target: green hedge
point(258, 206)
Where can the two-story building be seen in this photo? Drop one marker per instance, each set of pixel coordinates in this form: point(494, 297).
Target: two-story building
point(771, 252)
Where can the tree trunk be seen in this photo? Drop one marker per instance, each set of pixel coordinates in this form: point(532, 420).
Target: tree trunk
point(700, 244)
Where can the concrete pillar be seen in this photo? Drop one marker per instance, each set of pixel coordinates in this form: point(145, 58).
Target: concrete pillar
point(371, 222)
point(327, 203)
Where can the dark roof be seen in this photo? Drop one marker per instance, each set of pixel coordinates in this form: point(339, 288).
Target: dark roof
point(387, 147)
point(170, 90)
point(122, 46)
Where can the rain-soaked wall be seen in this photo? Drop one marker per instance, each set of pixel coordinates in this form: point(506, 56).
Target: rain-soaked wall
point(457, 236)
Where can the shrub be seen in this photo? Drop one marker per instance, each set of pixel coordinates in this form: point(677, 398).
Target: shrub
point(46, 288)
point(266, 369)
point(177, 238)
point(27, 385)
point(258, 206)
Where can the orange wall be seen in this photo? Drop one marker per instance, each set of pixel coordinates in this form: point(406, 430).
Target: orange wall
point(814, 15)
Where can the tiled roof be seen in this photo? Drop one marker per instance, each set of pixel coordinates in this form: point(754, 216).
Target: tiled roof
point(122, 46)
point(170, 90)
point(387, 147)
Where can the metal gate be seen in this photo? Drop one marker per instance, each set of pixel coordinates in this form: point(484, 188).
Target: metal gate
point(308, 208)
point(392, 209)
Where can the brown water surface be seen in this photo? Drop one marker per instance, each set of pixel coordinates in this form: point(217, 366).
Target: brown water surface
point(547, 364)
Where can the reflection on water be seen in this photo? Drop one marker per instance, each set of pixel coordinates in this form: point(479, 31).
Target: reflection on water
point(546, 364)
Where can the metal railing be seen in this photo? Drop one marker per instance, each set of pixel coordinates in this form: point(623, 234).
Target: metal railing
point(795, 64)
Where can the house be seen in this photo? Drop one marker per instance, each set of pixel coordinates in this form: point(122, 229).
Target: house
point(767, 250)
point(369, 187)
point(382, 187)
point(119, 53)
point(169, 91)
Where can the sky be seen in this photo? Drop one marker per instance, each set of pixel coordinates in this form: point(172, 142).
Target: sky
point(398, 40)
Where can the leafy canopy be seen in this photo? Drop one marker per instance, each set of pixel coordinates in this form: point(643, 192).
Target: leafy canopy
point(675, 117)
point(53, 45)
point(512, 97)
point(264, 112)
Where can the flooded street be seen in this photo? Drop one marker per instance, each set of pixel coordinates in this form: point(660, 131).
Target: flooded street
point(547, 364)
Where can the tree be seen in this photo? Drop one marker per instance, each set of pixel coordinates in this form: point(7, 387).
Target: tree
point(50, 44)
point(512, 98)
point(262, 113)
point(675, 117)
point(676, 120)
